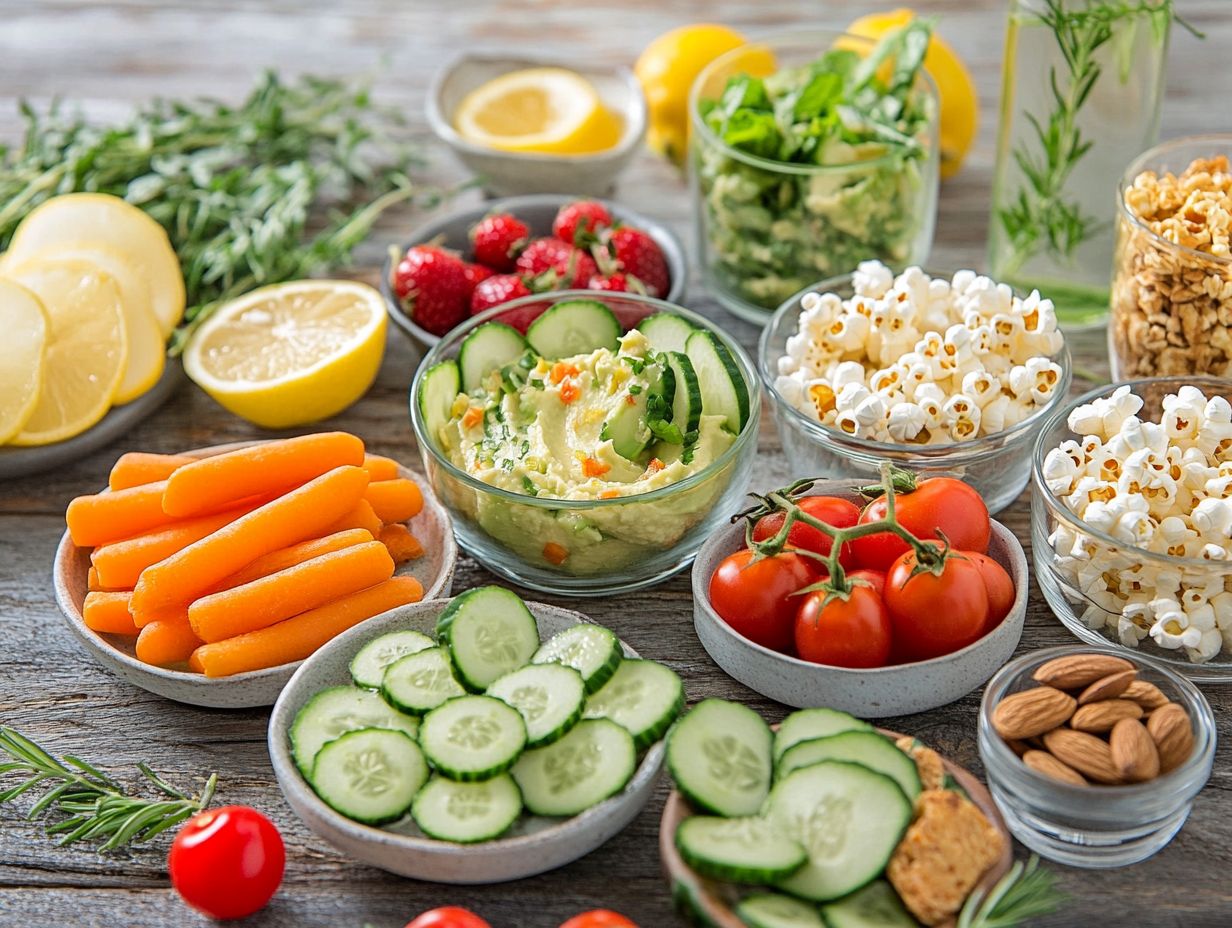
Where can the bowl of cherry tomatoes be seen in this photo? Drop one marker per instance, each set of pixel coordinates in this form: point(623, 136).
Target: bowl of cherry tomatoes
point(923, 600)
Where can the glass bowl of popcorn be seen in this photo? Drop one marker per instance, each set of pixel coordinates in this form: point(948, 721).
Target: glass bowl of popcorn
point(1131, 520)
point(938, 373)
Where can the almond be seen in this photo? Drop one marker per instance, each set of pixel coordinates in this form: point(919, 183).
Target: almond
point(1018, 747)
point(1147, 695)
point(1133, 751)
point(1087, 754)
point(1078, 670)
point(1101, 716)
point(1108, 687)
point(1170, 729)
point(1032, 712)
point(1049, 766)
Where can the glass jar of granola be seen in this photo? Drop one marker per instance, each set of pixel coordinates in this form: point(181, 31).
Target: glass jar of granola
point(1172, 270)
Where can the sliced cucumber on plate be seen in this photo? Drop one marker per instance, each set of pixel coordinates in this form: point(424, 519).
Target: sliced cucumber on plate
point(774, 910)
point(591, 650)
point(472, 738)
point(467, 812)
point(806, 724)
point(724, 392)
point(370, 775)
point(666, 331)
point(594, 762)
point(550, 698)
point(741, 850)
point(719, 756)
point(369, 663)
point(489, 632)
point(869, 748)
point(488, 347)
point(574, 327)
point(874, 906)
point(643, 697)
point(334, 712)
point(421, 681)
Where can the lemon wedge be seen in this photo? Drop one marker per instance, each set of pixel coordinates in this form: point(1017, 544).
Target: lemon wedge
point(24, 322)
point(86, 347)
point(290, 353)
point(548, 110)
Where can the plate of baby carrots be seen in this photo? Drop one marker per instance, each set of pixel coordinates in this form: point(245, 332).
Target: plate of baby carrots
point(207, 577)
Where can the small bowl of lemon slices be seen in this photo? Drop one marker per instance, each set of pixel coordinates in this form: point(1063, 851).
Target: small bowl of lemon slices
point(528, 126)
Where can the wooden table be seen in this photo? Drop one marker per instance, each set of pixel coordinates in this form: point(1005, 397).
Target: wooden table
point(110, 55)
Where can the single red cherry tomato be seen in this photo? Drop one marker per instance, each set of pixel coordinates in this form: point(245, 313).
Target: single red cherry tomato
point(227, 863)
point(851, 632)
point(935, 614)
point(449, 917)
point(832, 510)
point(874, 578)
point(599, 918)
point(938, 505)
point(998, 583)
point(756, 597)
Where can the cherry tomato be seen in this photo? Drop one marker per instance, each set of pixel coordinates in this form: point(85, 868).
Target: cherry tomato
point(755, 597)
point(937, 504)
point(852, 632)
point(832, 510)
point(998, 583)
point(227, 862)
point(875, 578)
point(599, 918)
point(935, 614)
point(448, 917)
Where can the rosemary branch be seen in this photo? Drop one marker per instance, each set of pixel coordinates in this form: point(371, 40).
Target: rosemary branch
point(1027, 891)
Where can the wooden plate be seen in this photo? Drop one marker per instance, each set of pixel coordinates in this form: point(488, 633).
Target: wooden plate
point(257, 687)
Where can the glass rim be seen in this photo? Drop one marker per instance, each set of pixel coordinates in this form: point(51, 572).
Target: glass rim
point(437, 354)
point(829, 36)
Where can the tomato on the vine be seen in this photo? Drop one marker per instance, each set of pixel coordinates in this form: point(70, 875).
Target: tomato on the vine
point(227, 863)
point(448, 917)
point(599, 918)
point(832, 510)
point(850, 632)
point(938, 505)
point(998, 583)
point(935, 613)
point(755, 596)
point(874, 578)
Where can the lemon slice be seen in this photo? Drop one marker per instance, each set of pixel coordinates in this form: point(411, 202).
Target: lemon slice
point(550, 110)
point(86, 347)
point(147, 352)
point(24, 322)
point(291, 353)
point(108, 220)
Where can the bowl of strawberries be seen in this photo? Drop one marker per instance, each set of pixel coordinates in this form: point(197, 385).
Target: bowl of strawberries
point(477, 258)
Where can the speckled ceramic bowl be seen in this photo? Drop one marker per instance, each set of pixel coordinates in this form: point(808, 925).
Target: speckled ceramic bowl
point(257, 687)
point(900, 689)
point(535, 844)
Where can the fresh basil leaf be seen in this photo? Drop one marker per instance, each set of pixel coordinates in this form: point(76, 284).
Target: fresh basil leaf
point(823, 91)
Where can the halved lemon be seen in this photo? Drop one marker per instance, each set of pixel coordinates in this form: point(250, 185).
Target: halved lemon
point(24, 323)
point(99, 217)
point(290, 353)
point(86, 347)
point(550, 110)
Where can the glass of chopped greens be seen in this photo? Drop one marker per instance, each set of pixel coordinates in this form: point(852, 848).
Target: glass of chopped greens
point(810, 153)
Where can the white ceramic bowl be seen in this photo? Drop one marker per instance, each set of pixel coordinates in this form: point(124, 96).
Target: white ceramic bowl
point(900, 689)
point(535, 845)
point(256, 687)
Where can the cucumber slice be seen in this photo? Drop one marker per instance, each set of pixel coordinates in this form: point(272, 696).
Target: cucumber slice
point(466, 813)
point(591, 650)
point(739, 850)
point(719, 756)
point(874, 906)
point(336, 711)
point(472, 738)
point(666, 331)
point(368, 665)
point(642, 697)
point(628, 426)
point(574, 327)
point(420, 682)
point(487, 347)
point(439, 387)
point(861, 747)
point(774, 910)
point(595, 761)
point(848, 818)
point(807, 724)
point(687, 398)
point(549, 697)
point(489, 632)
point(724, 392)
point(370, 775)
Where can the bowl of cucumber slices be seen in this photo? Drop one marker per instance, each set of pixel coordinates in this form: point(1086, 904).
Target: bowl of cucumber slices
point(472, 740)
point(586, 443)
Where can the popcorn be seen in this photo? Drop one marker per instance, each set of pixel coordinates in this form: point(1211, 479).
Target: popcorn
point(905, 422)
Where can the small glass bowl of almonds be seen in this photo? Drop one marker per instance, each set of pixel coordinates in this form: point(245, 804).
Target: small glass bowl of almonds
point(1094, 758)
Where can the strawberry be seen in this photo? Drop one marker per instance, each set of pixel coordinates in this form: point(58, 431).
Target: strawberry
point(432, 287)
point(638, 255)
point(580, 222)
point(496, 290)
point(617, 281)
point(475, 273)
point(498, 240)
point(572, 266)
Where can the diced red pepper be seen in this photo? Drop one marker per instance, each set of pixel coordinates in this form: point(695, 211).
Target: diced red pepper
point(555, 554)
point(593, 467)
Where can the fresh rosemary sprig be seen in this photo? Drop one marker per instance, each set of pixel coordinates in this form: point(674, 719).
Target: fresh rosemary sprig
point(96, 806)
point(1025, 892)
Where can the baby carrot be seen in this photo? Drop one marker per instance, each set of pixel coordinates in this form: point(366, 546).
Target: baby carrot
point(380, 467)
point(289, 592)
point(394, 500)
point(105, 517)
point(360, 516)
point(306, 512)
point(402, 545)
point(296, 554)
point(166, 642)
point(295, 638)
point(92, 583)
point(108, 613)
point(138, 467)
point(214, 482)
